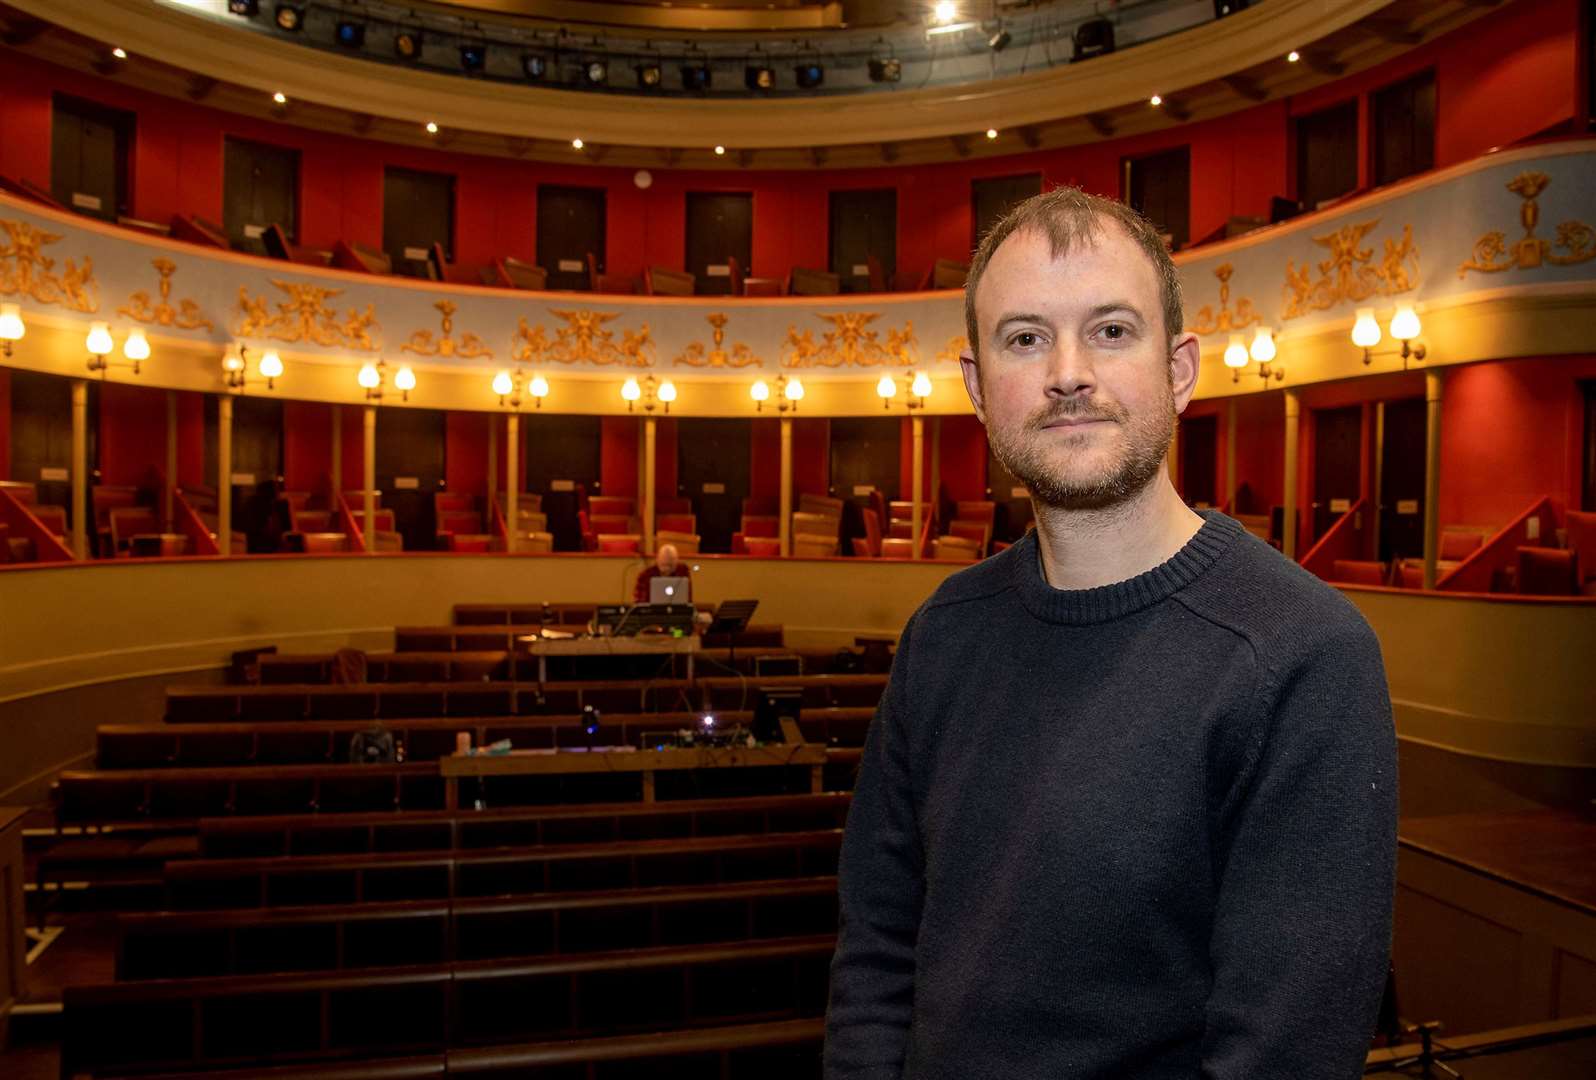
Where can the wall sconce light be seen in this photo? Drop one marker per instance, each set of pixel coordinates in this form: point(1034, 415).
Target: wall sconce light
point(99, 343)
point(650, 392)
point(919, 390)
point(508, 386)
point(1405, 328)
point(235, 367)
point(789, 392)
point(1262, 350)
point(373, 376)
point(11, 327)
point(1236, 356)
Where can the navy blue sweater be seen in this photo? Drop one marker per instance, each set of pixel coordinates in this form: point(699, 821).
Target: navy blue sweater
point(1141, 831)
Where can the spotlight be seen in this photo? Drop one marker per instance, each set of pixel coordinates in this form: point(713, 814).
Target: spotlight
point(473, 56)
point(351, 34)
point(280, 97)
point(119, 52)
point(943, 11)
point(1155, 101)
point(1293, 56)
point(291, 17)
point(577, 144)
point(1228, 7)
point(991, 133)
point(247, 8)
point(885, 69)
point(810, 74)
point(758, 77)
point(432, 127)
point(407, 44)
point(649, 75)
point(596, 72)
point(695, 77)
point(720, 151)
point(534, 66)
point(999, 41)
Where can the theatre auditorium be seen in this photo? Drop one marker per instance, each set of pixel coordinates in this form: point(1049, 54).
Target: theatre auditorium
point(467, 466)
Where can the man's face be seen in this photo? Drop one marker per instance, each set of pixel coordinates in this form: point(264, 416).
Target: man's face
point(1076, 383)
point(666, 559)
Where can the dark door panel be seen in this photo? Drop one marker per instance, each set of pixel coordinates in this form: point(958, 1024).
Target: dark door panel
point(1327, 154)
point(1199, 447)
point(562, 452)
point(720, 225)
point(89, 148)
point(261, 188)
point(713, 455)
point(1337, 459)
point(417, 212)
point(863, 223)
point(1159, 187)
point(1402, 480)
point(865, 451)
point(411, 444)
point(570, 226)
point(995, 196)
point(41, 434)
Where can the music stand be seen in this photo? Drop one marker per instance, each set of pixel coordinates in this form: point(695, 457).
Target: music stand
point(731, 618)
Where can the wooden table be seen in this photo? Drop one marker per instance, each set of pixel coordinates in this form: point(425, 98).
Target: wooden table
point(627, 645)
point(646, 762)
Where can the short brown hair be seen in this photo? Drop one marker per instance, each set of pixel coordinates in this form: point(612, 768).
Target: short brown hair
point(1065, 216)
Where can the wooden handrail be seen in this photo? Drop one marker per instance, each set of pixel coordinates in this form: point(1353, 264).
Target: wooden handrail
point(1474, 573)
point(1342, 540)
point(186, 520)
point(46, 548)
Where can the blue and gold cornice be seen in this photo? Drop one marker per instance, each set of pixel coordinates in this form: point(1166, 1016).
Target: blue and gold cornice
point(1498, 254)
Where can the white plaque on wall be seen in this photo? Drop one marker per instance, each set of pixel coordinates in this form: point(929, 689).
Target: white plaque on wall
point(1019, 492)
point(1340, 506)
point(562, 485)
point(416, 254)
point(55, 474)
point(254, 232)
point(717, 270)
point(570, 266)
point(1407, 506)
point(86, 202)
point(863, 489)
point(861, 269)
point(714, 489)
point(243, 479)
point(406, 483)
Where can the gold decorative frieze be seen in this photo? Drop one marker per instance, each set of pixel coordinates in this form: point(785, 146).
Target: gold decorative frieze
point(1350, 275)
point(955, 350)
point(1223, 321)
point(185, 315)
point(850, 343)
point(583, 339)
point(696, 354)
point(468, 347)
point(26, 271)
point(1492, 255)
point(305, 316)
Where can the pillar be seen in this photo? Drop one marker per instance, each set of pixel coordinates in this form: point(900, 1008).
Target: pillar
point(1432, 473)
point(337, 456)
point(649, 424)
point(1288, 541)
point(1373, 547)
point(80, 469)
point(168, 491)
point(224, 471)
point(917, 427)
point(1230, 455)
point(368, 479)
point(784, 527)
point(512, 481)
point(493, 467)
point(936, 461)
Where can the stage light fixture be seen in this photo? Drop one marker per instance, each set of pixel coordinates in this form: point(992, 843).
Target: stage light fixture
point(473, 56)
point(351, 34)
point(695, 76)
point(119, 52)
point(407, 44)
point(534, 66)
point(649, 74)
point(759, 77)
point(596, 72)
point(999, 41)
point(432, 127)
point(885, 69)
point(247, 8)
point(291, 17)
point(810, 74)
point(280, 98)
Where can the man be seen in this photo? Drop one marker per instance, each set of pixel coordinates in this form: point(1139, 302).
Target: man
point(1127, 809)
point(667, 563)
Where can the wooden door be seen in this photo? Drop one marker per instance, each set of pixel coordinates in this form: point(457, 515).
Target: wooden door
point(1403, 116)
point(89, 148)
point(260, 188)
point(417, 212)
point(1337, 465)
point(1159, 187)
point(411, 445)
point(712, 469)
point(1199, 448)
point(1327, 154)
point(570, 226)
point(719, 225)
point(865, 452)
point(1401, 468)
point(562, 454)
point(41, 433)
point(1588, 499)
point(863, 223)
point(995, 196)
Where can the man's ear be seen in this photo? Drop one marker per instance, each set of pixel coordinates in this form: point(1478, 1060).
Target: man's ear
point(1185, 359)
point(972, 383)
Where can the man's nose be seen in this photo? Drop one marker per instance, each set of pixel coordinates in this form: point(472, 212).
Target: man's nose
point(1070, 370)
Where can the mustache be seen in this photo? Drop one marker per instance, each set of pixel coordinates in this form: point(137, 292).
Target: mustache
point(1074, 409)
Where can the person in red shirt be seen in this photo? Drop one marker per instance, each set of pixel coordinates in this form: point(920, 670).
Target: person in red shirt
point(667, 563)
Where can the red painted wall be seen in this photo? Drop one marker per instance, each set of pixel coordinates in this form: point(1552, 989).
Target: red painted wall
point(963, 458)
point(465, 459)
point(811, 456)
point(5, 424)
point(191, 441)
point(764, 462)
point(307, 446)
point(619, 437)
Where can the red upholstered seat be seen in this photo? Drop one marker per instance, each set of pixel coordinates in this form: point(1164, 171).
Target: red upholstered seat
point(618, 543)
point(871, 541)
point(322, 543)
point(764, 547)
point(681, 523)
point(53, 518)
point(474, 543)
point(1546, 572)
point(1582, 542)
point(610, 506)
point(966, 529)
point(1458, 544)
point(1358, 572)
point(1410, 574)
point(129, 521)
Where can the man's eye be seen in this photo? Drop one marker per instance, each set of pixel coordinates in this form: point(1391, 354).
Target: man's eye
point(1115, 331)
point(1025, 339)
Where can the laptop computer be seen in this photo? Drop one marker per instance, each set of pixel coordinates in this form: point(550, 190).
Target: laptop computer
point(670, 590)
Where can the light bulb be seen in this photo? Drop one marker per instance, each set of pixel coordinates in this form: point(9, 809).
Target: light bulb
point(577, 144)
point(501, 384)
point(137, 346)
point(1155, 101)
point(944, 11)
point(667, 391)
point(921, 387)
point(1235, 352)
point(759, 391)
point(720, 151)
point(1263, 345)
point(1405, 323)
point(887, 386)
point(271, 365)
point(1293, 56)
point(280, 97)
point(539, 386)
point(11, 328)
point(1365, 332)
point(233, 359)
point(404, 379)
point(794, 390)
point(630, 390)
point(432, 128)
point(99, 340)
point(991, 133)
point(368, 377)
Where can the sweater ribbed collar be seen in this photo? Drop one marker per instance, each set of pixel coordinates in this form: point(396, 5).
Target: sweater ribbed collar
point(1081, 607)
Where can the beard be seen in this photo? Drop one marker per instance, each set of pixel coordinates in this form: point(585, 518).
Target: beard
point(1053, 469)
